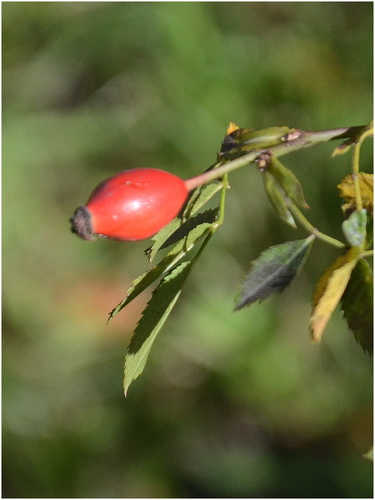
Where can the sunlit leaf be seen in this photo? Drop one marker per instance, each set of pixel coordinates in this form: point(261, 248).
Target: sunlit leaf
point(273, 270)
point(177, 228)
point(200, 197)
point(277, 198)
point(357, 305)
point(203, 219)
point(170, 260)
point(347, 192)
point(139, 285)
point(354, 228)
point(329, 290)
point(154, 316)
point(161, 237)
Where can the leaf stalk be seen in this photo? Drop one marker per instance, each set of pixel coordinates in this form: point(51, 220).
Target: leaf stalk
point(312, 229)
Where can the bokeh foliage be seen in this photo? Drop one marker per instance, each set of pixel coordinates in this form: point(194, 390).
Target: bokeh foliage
point(230, 404)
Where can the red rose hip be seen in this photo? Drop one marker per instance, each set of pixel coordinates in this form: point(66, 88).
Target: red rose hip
point(132, 205)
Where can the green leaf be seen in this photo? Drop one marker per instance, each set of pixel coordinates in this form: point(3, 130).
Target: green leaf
point(177, 229)
point(354, 228)
point(200, 197)
point(139, 285)
point(208, 217)
point(277, 198)
point(329, 290)
point(154, 316)
point(243, 140)
point(357, 305)
point(170, 260)
point(161, 237)
point(288, 181)
point(273, 270)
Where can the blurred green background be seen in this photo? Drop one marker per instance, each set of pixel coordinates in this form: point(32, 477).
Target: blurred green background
point(230, 405)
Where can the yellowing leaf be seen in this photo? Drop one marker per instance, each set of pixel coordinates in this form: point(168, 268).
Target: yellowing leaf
point(329, 290)
point(347, 192)
point(232, 127)
point(342, 148)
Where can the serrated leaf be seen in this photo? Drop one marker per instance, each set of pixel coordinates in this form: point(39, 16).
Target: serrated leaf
point(357, 305)
point(288, 181)
point(161, 237)
point(139, 285)
point(198, 198)
point(154, 316)
point(201, 196)
point(277, 198)
point(204, 219)
point(170, 260)
point(177, 229)
point(329, 290)
point(354, 228)
point(273, 270)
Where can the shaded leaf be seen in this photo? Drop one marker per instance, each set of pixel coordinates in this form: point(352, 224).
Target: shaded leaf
point(277, 198)
point(354, 228)
point(273, 270)
point(288, 181)
point(329, 290)
point(154, 316)
point(357, 305)
point(369, 232)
